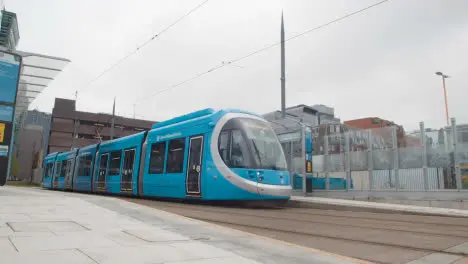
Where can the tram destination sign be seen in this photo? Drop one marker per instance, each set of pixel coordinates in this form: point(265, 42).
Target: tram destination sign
point(10, 65)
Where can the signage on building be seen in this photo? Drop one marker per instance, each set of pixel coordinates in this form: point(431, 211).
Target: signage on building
point(10, 65)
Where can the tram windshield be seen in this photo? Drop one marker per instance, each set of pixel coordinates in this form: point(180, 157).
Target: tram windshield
point(250, 143)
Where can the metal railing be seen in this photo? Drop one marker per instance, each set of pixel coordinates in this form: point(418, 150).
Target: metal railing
point(382, 159)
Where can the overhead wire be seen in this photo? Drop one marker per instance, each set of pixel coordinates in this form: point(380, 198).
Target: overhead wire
point(153, 37)
point(226, 63)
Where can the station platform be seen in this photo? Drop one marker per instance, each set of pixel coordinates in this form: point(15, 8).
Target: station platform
point(39, 226)
point(354, 205)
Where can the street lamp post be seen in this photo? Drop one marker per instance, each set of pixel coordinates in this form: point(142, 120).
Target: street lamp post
point(445, 94)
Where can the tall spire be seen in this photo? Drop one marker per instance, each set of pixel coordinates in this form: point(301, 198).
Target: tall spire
point(113, 121)
point(283, 78)
point(113, 109)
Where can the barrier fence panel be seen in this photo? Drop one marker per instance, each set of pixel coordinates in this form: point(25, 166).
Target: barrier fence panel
point(292, 147)
point(387, 159)
point(381, 159)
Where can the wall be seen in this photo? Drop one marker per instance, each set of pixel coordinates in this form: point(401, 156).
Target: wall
point(28, 150)
point(70, 128)
point(37, 175)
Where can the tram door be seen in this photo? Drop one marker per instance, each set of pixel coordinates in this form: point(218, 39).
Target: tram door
point(58, 169)
point(193, 180)
point(101, 182)
point(126, 184)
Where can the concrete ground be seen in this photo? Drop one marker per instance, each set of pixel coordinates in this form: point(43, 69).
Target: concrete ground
point(450, 199)
point(409, 207)
point(38, 226)
point(383, 237)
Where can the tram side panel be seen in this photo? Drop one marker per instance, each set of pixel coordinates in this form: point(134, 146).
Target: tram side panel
point(124, 153)
point(70, 173)
point(85, 165)
point(167, 169)
point(131, 166)
point(49, 170)
point(64, 162)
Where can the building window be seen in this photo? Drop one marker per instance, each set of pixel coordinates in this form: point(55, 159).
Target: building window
point(175, 156)
point(60, 134)
point(156, 165)
point(62, 120)
point(34, 118)
point(116, 157)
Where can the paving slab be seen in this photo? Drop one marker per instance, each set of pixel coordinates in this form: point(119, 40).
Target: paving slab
point(40, 226)
point(436, 258)
point(462, 261)
point(459, 249)
point(71, 256)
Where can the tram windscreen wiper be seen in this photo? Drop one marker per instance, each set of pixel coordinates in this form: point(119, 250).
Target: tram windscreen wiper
point(257, 152)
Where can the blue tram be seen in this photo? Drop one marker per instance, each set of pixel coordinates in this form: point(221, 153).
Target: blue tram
point(228, 155)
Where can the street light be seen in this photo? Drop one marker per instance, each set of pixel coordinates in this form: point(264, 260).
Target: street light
point(445, 94)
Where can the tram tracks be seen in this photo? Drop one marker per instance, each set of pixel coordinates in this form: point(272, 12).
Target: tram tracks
point(422, 249)
point(355, 234)
point(439, 229)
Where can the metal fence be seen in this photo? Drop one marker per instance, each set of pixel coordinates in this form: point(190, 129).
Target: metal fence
point(386, 159)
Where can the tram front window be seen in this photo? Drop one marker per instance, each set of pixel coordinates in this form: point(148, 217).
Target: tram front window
point(267, 150)
point(248, 143)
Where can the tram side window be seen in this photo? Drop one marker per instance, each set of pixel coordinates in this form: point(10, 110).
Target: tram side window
point(233, 152)
point(88, 161)
point(233, 149)
point(80, 166)
point(156, 165)
point(69, 167)
point(58, 166)
point(64, 168)
point(175, 156)
point(84, 168)
point(48, 171)
point(116, 157)
point(223, 146)
point(238, 150)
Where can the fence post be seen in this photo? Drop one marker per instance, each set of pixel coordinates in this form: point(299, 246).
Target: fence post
point(304, 176)
point(326, 161)
point(293, 169)
point(347, 161)
point(422, 136)
point(455, 156)
point(396, 161)
point(370, 160)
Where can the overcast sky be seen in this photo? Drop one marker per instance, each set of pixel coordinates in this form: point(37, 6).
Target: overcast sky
point(378, 63)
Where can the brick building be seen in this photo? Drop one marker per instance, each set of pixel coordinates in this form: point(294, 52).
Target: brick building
point(70, 128)
point(375, 123)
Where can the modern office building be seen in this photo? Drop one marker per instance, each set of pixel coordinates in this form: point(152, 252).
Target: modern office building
point(9, 31)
